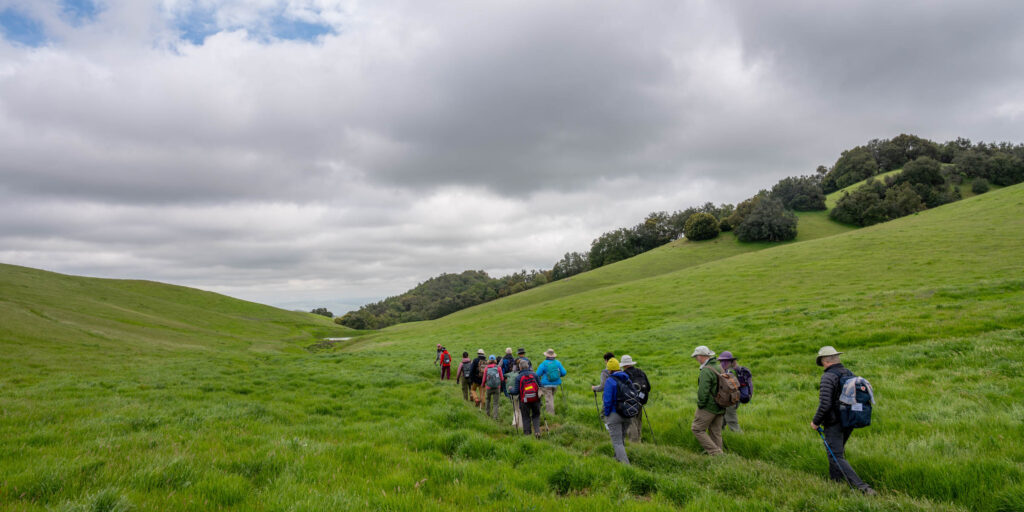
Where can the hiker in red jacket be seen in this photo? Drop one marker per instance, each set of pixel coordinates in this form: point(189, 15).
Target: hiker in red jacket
point(446, 364)
point(491, 382)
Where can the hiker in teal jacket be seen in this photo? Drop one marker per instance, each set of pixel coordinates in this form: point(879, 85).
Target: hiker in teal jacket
point(550, 372)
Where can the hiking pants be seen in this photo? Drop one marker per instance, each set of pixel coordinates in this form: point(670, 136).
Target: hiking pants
point(837, 436)
point(707, 428)
point(731, 419)
point(446, 373)
point(493, 401)
point(635, 427)
point(517, 415)
point(477, 393)
point(531, 417)
point(616, 424)
point(465, 389)
point(547, 394)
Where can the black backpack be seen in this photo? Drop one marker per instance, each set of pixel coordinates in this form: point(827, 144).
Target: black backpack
point(467, 370)
point(857, 414)
point(639, 379)
point(627, 400)
point(746, 383)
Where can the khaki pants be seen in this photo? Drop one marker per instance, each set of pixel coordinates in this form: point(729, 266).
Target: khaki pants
point(635, 427)
point(707, 428)
point(465, 389)
point(517, 415)
point(547, 394)
point(493, 401)
point(477, 393)
point(731, 419)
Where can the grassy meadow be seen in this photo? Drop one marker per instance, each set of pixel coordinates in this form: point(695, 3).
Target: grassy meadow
point(124, 395)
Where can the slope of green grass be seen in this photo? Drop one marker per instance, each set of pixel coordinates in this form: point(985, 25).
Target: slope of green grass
point(201, 408)
point(833, 198)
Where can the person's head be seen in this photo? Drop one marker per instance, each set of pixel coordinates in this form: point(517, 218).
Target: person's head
point(508, 350)
point(550, 353)
point(702, 354)
point(608, 355)
point(626, 362)
point(480, 353)
point(727, 359)
point(524, 365)
point(492, 358)
point(827, 356)
point(612, 365)
point(439, 346)
point(521, 351)
point(465, 354)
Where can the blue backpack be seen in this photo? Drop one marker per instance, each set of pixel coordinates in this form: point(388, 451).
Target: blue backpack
point(746, 383)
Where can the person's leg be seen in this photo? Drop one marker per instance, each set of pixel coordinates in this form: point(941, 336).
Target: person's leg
point(535, 417)
point(715, 431)
point(701, 421)
point(547, 394)
point(731, 419)
point(465, 390)
point(634, 428)
point(615, 424)
point(494, 393)
point(517, 414)
point(837, 436)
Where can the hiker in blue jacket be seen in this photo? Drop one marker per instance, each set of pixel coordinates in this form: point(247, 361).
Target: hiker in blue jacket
point(615, 423)
point(550, 372)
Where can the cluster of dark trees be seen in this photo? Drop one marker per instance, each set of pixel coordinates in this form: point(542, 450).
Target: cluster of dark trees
point(322, 312)
point(439, 296)
point(930, 176)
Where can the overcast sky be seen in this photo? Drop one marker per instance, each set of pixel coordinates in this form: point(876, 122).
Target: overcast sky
point(310, 153)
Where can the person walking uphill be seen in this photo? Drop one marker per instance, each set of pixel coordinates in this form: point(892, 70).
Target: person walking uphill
point(438, 358)
point(637, 376)
point(476, 374)
point(728, 363)
point(526, 389)
point(550, 372)
point(827, 416)
point(708, 419)
point(463, 376)
point(608, 356)
point(492, 383)
point(446, 364)
point(615, 423)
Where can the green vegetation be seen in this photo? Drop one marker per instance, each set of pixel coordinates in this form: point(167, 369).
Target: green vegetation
point(121, 394)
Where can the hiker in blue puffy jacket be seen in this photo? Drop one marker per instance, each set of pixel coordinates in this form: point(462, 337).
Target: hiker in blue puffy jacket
point(612, 420)
point(550, 372)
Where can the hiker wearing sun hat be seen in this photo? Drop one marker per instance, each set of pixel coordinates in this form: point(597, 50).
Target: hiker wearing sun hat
point(476, 373)
point(639, 379)
point(827, 417)
point(728, 363)
point(550, 372)
point(709, 416)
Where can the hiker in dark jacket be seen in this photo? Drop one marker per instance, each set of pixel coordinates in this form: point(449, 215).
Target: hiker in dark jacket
point(463, 376)
point(493, 393)
point(521, 356)
point(507, 361)
point(529, 409)
point(637, 376)
point(446, 364)
point(604, 372)
point(827, 416)
point(729, 365)
point(475, 374)
point(614, 422)
point(708, 419)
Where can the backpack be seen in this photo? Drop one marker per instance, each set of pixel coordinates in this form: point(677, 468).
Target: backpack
point(529, 390)
point(467, 367)
point(639, 379)
point(506, 364)
point(493, 380)
point(855, 399)
point(746, 383)
point(478, 369)
point(509, 379)
point(446, 359)
point(728, 389)
point(627, 400)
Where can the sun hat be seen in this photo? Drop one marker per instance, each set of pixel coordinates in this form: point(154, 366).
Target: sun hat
point(550, 352)
point(480, 352)
point(626, 361)
point(521, 350)
point(702, 351)
point(508, 350)
point(726, 356)
point(613, 365)
point(827, 350)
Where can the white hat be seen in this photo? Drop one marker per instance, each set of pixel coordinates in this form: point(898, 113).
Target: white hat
point(626, 361)
point(827, 350)
point(550, 352)
point(481, 352)
point(702, 351)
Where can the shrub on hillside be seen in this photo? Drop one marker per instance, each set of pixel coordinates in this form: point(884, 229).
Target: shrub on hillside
point(800, 193)
point(854, 165)
point(701, 226)
point(724, 225)
point(322, 312)
point(979, 186)
point(743, 209)
point(769, 221)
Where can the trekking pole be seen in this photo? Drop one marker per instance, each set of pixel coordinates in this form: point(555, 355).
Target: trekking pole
point(650, 428)
point(821, 432)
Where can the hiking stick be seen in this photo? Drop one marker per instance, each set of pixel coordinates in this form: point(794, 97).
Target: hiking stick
point(821, 432)
point(650, 428)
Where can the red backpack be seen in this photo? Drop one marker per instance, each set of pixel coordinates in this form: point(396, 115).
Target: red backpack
point(529, 390)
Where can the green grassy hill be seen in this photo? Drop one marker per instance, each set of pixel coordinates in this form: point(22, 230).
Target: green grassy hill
point(191, 401)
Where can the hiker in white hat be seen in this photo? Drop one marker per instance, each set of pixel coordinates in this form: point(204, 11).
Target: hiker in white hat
point(550, 373)
point(709, 416)
point(637, 376)
point(827, 417)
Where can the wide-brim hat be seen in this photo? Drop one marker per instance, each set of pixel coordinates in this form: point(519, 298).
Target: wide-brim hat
point(626, 361)
point(508, 350)
point(521, 350)
point(702, 351)
point(726, 356)
point(550, 352)
point(481, 352)
point(827, 350)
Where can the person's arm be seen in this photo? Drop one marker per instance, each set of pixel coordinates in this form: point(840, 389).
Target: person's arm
point(561, 369)
point(610, 389)
point(604, 377)
point(826, 390)
point(704, 387)
point(458, 373)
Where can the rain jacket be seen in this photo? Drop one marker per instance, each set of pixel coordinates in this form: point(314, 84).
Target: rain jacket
point(611, 391)
point(551, 372)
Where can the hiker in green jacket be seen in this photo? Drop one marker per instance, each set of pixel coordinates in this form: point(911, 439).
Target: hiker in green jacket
point(708, 419)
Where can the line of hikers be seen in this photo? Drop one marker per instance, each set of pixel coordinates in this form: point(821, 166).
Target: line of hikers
point(722, 385)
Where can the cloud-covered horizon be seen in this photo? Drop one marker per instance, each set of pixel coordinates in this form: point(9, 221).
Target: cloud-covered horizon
point(330, 153)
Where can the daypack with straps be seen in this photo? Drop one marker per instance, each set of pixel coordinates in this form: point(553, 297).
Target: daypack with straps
point(855, 399)
point(446, 359)
point(746, 380)
point(467, 367)
point(728, 389)
point(529, 390)
point(627, 399)
point(493, 379)
point(639, 379)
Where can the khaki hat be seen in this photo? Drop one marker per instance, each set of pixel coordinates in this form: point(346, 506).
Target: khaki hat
point(550, 352)
point(481, 352)
point(827, 350)
point(508, 350)
point(626, 361)
point(702, 351)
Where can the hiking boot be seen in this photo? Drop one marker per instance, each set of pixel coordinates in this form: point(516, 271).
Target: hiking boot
point(869, 491)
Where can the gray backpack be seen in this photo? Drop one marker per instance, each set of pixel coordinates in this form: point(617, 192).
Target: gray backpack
point(493, 380)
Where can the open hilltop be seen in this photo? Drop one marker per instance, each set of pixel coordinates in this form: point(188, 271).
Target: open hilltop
point(124, 394)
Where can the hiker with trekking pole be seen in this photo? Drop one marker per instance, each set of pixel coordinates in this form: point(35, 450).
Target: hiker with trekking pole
point(621, 403)
point(844, 403)
point(637, 376)
point(526, 389)
point(550, 372)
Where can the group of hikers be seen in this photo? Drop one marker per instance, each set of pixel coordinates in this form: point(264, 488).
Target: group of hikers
point(722, 385)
